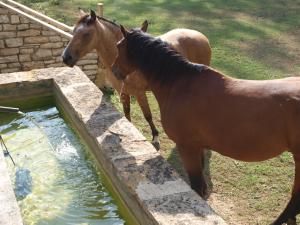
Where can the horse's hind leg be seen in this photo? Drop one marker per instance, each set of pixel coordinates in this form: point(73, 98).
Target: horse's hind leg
point(125, 99)
point(192, 159)
point(143, 102)
point(293, 208)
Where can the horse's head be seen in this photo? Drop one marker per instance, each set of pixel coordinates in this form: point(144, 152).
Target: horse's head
point(122, 65)
point(84, 39)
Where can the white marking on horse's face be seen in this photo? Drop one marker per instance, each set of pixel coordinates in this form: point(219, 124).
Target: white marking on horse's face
point(79, 28)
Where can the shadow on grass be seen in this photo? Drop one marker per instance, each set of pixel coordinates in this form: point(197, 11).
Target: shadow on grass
point(247, 32)
point(228, 25)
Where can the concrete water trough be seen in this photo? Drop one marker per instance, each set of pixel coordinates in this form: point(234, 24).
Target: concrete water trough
point(150, 188)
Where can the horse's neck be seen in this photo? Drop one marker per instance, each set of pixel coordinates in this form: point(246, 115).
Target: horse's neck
point(161, 92)
point(108, 36)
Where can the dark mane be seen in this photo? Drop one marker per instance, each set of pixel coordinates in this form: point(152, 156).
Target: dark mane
point(108, 21)
point(156, 59)
point(85, 19)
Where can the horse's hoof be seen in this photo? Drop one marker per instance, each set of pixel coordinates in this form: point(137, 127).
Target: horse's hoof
point(202, 192)
point(156, 145)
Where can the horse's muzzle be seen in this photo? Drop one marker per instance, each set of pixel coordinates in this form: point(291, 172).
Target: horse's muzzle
point(119, 75)
point(68, 59)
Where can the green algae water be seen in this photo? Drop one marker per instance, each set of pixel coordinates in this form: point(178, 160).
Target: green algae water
point(67, 186)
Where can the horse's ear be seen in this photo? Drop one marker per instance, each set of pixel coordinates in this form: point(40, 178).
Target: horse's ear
point(93, 16)
point(124, 31)
point(144, 26)
point(81, 13)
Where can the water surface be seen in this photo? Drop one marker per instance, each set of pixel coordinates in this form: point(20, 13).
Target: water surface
point(66, 185)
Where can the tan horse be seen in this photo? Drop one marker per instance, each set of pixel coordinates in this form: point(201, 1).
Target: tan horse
point(202, 108)
point(93, 32)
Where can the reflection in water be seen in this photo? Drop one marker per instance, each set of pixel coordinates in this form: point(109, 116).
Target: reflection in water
point(66, 186)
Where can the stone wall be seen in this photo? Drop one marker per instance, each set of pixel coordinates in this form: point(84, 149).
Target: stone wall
point(28, 43)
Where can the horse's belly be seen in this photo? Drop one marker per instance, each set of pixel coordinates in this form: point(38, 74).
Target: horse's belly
point(242, 144)
point(249, 148)
point(250, 155)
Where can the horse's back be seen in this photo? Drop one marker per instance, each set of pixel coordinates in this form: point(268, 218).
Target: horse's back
point(191, 44)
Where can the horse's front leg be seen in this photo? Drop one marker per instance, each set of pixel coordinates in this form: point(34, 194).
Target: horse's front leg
point(143, 103)
point(193, 161)
point(125, 99)
point(289, 214)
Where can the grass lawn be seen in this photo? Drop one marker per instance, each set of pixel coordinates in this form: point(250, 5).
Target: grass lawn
point(250, 39)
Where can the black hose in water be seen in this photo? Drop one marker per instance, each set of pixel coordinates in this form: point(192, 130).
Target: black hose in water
point(5, 150)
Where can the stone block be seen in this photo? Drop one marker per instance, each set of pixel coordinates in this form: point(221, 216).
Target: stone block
point(48, 33)
point(3, 65)
point(14, 65)
point(8, 34)
point(90, 72)
point(87, 62)
point(58, 59)
point(29, 33)
point(4, 19)
point(10, 70)
point(24, 58)
point(55, 65)
point(41, 54)
point(33, 65)
point(9, 27)
point(52, 45)
point(35, 26)
point(24, 20)
point(54, 38)
point(90, 67)
point(35, 40)
point(2, 44)
point(8, 59)
point(14, 42)
point(3, 11)
point(49, 62)
point(14, 19)
point(91, 55)
point(1, 28)
point(23, 26)
point(9, 51)
point(26, 50)
point(57, 52)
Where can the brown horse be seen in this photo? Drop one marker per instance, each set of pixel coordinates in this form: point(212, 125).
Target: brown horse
point(92, 32)
point(244, 119)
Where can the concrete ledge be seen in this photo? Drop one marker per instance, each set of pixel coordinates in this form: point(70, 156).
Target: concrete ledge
point(9, 209)
point(150, 187)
